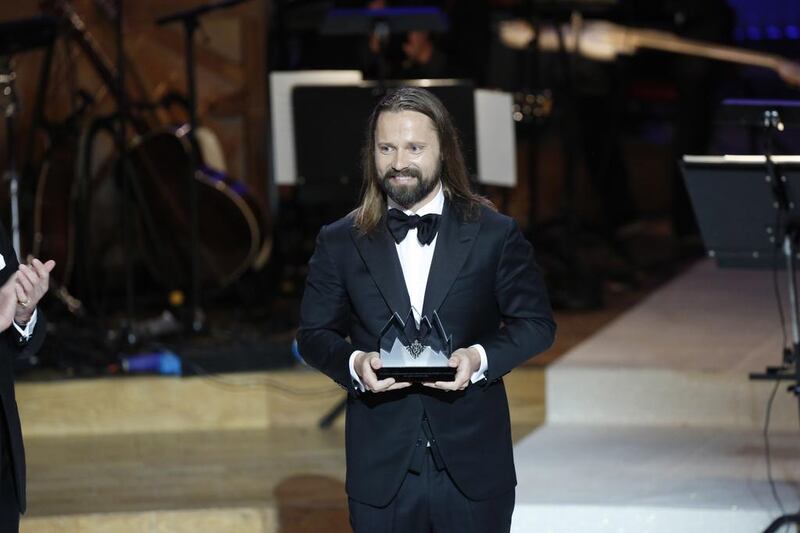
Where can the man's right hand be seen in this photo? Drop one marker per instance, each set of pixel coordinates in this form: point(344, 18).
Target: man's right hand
point(365, 365)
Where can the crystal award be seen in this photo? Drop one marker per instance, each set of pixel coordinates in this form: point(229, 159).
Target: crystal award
point(415, 353)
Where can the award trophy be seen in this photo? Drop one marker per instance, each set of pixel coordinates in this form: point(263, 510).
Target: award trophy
point(415, 354)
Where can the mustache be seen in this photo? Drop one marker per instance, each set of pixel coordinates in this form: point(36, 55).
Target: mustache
point(408, 171)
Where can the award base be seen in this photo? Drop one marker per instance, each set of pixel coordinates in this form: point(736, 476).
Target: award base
point(417, 374)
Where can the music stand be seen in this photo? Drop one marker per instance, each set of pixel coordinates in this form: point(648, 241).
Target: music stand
point(752, 224)
point(360, 21)
point(329, 138)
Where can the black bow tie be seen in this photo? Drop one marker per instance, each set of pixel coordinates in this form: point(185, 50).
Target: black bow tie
point(399, 223)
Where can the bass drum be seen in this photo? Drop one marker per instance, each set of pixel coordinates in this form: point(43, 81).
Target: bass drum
point(79, 207)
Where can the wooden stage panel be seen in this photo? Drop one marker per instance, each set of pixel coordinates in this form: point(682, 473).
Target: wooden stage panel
point(166, 454)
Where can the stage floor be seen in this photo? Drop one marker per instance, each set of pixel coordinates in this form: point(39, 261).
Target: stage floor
point(652, 423)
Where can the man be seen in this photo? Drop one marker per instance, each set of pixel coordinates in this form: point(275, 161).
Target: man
point(23, 330)
point(433, 456)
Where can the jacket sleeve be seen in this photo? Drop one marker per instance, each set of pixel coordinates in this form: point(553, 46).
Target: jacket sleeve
point(528, 328)
point(31, 346)
point(18, 345)
point(324, 317)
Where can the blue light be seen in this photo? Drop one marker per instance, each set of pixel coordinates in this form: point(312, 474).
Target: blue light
point(773, 32)
point(792, 32)
point(754, 33)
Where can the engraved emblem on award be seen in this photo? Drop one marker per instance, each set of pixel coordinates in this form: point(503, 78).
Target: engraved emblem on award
point(416, 348)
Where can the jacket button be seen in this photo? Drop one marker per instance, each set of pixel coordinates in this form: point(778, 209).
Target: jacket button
point(419, 442)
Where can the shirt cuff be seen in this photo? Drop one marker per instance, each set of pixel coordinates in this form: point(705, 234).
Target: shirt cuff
point(481, 372)
point(356, 380)
point(27, 331)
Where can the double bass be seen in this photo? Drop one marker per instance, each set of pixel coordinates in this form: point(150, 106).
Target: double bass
point(234, 233)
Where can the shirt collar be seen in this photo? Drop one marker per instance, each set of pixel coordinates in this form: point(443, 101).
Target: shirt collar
point(435, 205)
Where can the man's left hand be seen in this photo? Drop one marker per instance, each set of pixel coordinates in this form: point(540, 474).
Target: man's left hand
point(466, 361)
point(33, 280)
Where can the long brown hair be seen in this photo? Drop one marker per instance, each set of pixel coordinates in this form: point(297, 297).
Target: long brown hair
point(454, 176)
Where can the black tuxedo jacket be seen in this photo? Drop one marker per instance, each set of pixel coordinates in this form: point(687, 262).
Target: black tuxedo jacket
point(13, 345)
point(486, 288)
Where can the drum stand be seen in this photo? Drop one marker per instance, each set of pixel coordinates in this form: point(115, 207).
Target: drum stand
point(191, 20)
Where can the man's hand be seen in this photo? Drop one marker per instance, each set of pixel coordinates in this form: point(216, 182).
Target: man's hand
point(466, 361)
point(8, 302)
point(365, 365)
point(33, 280)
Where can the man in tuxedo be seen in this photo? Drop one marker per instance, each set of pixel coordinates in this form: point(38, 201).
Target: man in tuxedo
point(431, 456)
point(22, 328)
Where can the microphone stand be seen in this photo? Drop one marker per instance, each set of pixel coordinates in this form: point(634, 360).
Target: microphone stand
point(15, 37)
point(124, 177)
point(579, 288)
point(7, 78)
point(191, 20)
point(790, 369)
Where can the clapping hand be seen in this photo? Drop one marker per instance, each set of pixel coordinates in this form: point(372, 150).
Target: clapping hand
point(32, 282)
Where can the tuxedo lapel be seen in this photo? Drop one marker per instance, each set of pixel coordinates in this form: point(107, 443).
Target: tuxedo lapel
point(380, 255)
point(453, 244)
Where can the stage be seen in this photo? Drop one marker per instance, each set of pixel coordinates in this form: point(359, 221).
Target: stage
point(652, 423)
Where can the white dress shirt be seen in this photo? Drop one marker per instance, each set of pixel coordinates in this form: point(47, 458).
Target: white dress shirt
point(415, 260)
point(27, 330)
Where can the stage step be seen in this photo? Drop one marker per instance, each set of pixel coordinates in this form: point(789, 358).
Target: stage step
point(665, 397)
point(296, 398)
point(680, 357)
point(652, 479)
point(235, 520)
point(176, 481)
point(108, 406)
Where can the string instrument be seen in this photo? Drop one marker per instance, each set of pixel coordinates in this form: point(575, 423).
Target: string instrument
point(232, 229)
point(604, 41)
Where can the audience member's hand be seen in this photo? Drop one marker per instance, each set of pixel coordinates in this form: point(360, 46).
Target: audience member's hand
point(33, 280)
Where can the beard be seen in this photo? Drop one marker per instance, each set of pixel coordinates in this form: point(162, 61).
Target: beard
point(407, 195)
